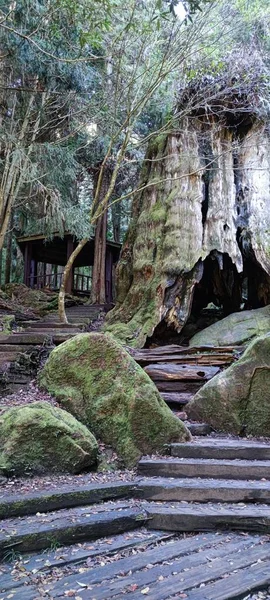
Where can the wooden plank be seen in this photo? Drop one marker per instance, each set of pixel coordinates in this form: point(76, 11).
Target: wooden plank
point(248, 580)
point(74, 555)
point(215, 469)
point(199, 359)
point(204, 490)
point(205, 517)
point(139, 561)
point(37, 535)
point(167, 371)
point(200, 429)
point(24, 592)
point(177, 398)
point(150, 576)
point(16, 505)
point(191, 387)
point(222, 451)
point(32, 338)
point(185, 581)
point(190, 350)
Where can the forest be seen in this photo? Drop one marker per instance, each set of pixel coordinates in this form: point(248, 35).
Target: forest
point(135, 299)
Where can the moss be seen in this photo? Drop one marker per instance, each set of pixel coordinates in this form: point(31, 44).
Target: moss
point(7, 322)
point(38, 438)
point(100, 383)
point(157, 144)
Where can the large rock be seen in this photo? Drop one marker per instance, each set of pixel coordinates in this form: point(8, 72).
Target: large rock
point(39, 438)
point(238, 399)
point(101, 384)
point(236, 329)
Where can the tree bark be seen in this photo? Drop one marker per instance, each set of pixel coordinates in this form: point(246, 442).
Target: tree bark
point(200, 226)
point(98, 291)
point(8, 265)
point(67, 269)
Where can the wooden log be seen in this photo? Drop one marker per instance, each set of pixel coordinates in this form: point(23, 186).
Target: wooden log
point(175, 349)
point(166, 371)
point(205, 468)
point(197, 359)
point(162, 489)
point(179, 386)
point(70, 496)
point(222, 450)
point(67, 529)
point(204, 517)
point(177, 398)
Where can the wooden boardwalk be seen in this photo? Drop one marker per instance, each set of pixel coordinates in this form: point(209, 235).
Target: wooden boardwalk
point(147, 564)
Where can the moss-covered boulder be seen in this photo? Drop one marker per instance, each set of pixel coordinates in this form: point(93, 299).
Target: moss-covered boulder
point(236, 329)
point(238, 399)
point(95, 379)
point(39, 438)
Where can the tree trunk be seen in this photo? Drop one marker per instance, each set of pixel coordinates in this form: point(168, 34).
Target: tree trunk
point(200, 225)
point(98, 291)
point(9, 251)
point(116, 221)
point(66, 272)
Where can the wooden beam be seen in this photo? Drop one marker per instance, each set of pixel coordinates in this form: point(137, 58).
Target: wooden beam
point(27, 262)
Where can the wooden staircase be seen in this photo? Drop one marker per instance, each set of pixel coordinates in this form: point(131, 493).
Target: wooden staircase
point(179, 372)
point(194, 524)
point(22, 350)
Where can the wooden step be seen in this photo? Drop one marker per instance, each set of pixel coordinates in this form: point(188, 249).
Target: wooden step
point(176, 398)
point(199, 429)
point(200, 359)
point(68, 496)
point(190, 350)
point(204, 468)
point(37, 338)
point(207, 517)
point(27, 534)
point(203, 490)
point(33, 325)
point(223, 449)
point(4, 348)
point(7, 358)
point(172, 372)
point(179, 387)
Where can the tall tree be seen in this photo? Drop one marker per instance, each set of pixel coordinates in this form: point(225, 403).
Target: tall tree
point(145, 49)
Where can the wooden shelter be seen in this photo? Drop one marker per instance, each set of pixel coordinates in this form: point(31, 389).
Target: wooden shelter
point(39, 253)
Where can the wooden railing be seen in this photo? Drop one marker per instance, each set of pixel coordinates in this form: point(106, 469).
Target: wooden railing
point(81, 283)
